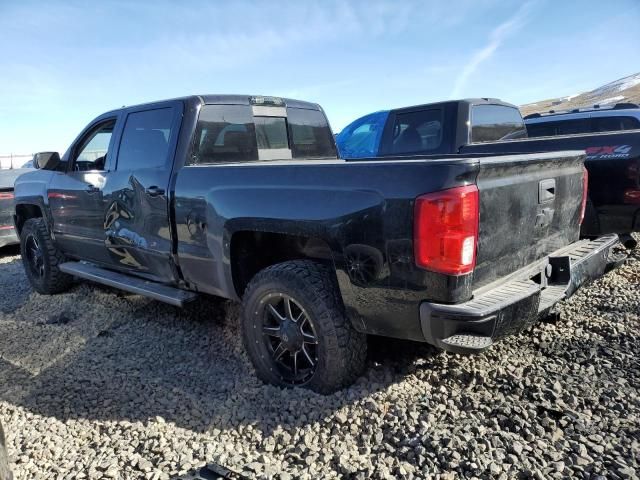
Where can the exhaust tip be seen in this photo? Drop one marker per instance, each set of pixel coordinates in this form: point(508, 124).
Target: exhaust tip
point(628, 241)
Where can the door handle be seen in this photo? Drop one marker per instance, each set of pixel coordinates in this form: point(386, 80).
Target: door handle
point(92, 189)
point(154, 191)
point(546, 190)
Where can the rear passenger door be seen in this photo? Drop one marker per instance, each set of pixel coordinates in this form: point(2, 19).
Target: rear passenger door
point(136, 196)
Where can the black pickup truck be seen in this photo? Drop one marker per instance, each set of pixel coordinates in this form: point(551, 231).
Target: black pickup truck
point(490, 126)
point(245, 198)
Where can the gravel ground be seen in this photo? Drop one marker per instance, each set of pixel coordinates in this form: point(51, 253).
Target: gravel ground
point(100, 384)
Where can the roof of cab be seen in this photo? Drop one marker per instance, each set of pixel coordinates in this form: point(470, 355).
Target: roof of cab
point(214, 99)
point(246, 100)
point(469, 101)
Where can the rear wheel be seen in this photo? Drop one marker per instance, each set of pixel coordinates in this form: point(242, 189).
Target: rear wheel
point(41, 259)
point(295, 329)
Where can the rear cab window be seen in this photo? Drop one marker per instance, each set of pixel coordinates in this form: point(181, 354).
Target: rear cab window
point(309, 134)
point(491, 123)
point(246, 133)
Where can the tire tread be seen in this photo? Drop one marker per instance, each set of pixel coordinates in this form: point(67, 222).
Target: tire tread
point(55, 281)
point(346, 347)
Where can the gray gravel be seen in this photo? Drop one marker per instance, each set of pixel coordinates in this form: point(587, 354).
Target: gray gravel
point(100, 384)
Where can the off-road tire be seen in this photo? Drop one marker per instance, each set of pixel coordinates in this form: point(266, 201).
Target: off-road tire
point(52, 280)
point(341, 350)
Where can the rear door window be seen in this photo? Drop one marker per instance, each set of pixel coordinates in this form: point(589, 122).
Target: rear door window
point(419, 131)
point(559, 127)
point(573, 127)
point(612, 124)
point(541, 130)
point(490, 123)
point(145, 139)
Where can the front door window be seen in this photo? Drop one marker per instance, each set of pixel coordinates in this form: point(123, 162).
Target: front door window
point(92, 153)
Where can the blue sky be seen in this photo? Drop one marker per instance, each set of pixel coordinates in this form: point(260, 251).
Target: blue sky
point(63, 63)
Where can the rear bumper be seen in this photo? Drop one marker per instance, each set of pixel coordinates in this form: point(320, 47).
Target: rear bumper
point(506, 308)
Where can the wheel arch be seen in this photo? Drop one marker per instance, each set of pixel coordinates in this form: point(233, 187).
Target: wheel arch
point(252, 251)
point(25, 211)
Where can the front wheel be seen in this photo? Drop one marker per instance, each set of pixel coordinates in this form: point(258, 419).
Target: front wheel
point(41, 259)
point(296, 332)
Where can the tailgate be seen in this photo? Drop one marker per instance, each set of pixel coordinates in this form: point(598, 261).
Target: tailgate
point(529, 207)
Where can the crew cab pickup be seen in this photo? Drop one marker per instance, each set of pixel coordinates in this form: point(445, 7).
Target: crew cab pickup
point(245, 198)
point(489, 126)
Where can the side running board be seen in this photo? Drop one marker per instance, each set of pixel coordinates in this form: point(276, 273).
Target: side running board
point(140, 286)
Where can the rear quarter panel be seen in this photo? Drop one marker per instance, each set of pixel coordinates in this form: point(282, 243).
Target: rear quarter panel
point(355, 208)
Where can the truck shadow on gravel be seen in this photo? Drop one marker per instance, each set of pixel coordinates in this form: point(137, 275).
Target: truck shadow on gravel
point(121, 357)
point(9, 251)
point(14, 288)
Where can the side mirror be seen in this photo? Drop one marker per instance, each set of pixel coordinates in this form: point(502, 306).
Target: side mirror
point(46, 160)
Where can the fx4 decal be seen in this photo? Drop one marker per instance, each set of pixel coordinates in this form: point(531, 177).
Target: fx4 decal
point(608, 151)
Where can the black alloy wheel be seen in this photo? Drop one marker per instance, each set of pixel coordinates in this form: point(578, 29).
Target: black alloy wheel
point(290, 337)
point(34, 255)
point(295, 329)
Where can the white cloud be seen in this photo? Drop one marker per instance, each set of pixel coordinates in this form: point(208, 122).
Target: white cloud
point(496, 38)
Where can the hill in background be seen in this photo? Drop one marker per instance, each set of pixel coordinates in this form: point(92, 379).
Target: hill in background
point(626, 89)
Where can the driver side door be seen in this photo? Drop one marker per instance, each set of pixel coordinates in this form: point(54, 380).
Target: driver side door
point(76, 196)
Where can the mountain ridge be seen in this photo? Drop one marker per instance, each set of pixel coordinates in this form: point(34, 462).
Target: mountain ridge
point(623, 90)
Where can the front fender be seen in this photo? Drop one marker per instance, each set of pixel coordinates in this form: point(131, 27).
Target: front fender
point(31, 190)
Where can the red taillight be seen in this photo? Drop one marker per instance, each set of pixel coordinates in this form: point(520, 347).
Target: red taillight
point(6, 195)
point(632, 197)
point(445, 230)
point(585, 193)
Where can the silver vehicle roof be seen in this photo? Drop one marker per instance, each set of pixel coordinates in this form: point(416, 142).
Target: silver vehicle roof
point(601, 112)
